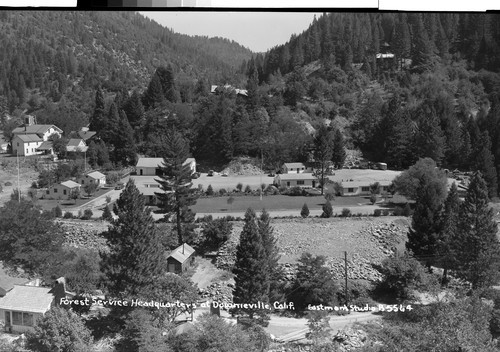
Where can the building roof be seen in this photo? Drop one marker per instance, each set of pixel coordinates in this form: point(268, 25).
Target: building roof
point(35, 129)
point(294, 165)
point(32, 299)
point(384, 56)
point(96, 175)
point(75, 144)
point(182, 253)
point(7, 280)
point(70, 184)
point(353, 184)
point(47, 145)
point(85, 135)
point(157, 162)
point(301, 176)
point(26, 138)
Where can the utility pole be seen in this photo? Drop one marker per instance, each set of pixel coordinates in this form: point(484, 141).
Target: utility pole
point(18, 181)
point(346, 294)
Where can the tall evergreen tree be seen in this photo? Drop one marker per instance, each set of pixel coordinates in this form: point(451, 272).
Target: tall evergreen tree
point(447, 239)
point(338, 149)
point(272, 254)
point(478, 250)
point(125, 149)
point(251, 269)
point(154, 95)
point(429, 138)
point(175, 182)
point(323, 150)
point(136, 256)
point(483, 161)
point(134, 110)
point(98, 119)
point(110, 131)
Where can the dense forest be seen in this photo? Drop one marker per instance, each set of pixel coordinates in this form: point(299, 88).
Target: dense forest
point(398, 87)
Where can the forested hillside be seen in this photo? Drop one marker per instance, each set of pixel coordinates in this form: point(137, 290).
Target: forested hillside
point(397, 87)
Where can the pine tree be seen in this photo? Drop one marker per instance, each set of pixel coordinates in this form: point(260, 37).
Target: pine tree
point(478, 251)
point(272, 254)
point(109, 131)
point(154, 94)
point(176, 184)
point(323, 150)
point(251, 269)
point(106, 214)
point(167, 82)
point(446, 239)
point(98, 119)
point(136, 256)
point(429, 139)
point(422, 236)
point(305, 211)
point(483, 161)
point(134, 110)
point(338, 149)
point(327, 210)
point(125, 151)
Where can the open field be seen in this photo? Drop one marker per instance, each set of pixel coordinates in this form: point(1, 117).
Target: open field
point(8, 173)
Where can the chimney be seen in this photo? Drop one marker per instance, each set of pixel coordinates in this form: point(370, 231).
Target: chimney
point(183, 248)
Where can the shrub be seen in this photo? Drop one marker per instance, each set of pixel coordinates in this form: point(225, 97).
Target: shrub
point(8, 183)
point(346, 212)
point(248, 189)
point(215, 233)
point(239, 186)
point(87, 214)
point(222, 191)
point(210, 191)
point(329, 194)
point(108, 199)
point(373, 199)
point(263, 186)
point(305, 211)
point(68, 215)
point(377, 212)
point(200, 188)
point(106, 214)
point(295, 191)
point(407, 210)
point(327, 210)
point(112, 177)
point(34, 184)
point(385, 212)
point(57, 211)
point(398, 211)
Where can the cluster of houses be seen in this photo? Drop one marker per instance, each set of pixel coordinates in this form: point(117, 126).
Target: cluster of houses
point(354, 182)
point(34, 139)
point(65, 189)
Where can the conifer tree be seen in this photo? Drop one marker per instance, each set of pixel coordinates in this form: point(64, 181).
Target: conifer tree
point(422, 236)
point(108, 134)
point(446, 239)
point(136, 256)
point(305, 211)
point(106, 214)
point(323, 150)
point(154, 94)
point(175, 182)
point(125, 149)
point(327, 210)
point(483, 161)
point(98, 118)
point(478, 249)
point(338, 149)
point(134, 110)
point(251, 269)
point(272, 254)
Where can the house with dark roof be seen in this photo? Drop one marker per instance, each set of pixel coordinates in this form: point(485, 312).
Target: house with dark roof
point(180, 259)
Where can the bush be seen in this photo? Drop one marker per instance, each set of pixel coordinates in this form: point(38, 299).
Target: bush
point(407, 210)
point(239, 186)
point(248, 189)
point(215, 233)
point(108, 199)
point(87, 214)
point(305, 211)
point(68, 215)
point(398, 211)
point(373, 199)
point(106, 214)
point(222, 191)
point(8, 183)
point(112, 177)
point(329, 194)
point(295, 191)
point(346, 212)
point(210, 191)
point(263, 186)
point(34, 184)
point(385, 212)
point(57, 211)
point(377, 212)
point(327, 210)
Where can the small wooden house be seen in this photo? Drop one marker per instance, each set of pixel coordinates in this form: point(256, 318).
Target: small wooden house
point(180, 259)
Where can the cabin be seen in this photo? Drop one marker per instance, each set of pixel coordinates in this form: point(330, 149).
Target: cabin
point(76, 145)
point(180, 259)
point(305, 180)
point(296, 168)
point(93, 177)
point(63, 190)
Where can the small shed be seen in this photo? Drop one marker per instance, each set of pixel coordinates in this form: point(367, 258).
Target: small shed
point(180, 259)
